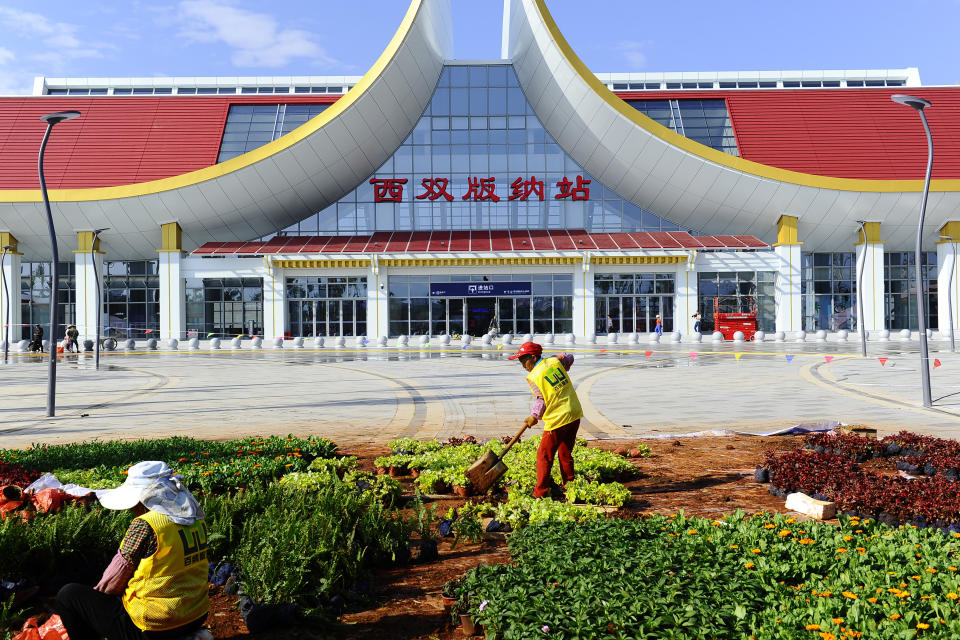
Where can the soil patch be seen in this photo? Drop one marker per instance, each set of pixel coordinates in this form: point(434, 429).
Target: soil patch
point(703, 476)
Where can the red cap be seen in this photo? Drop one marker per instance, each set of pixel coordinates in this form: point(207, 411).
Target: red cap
point(528, 348)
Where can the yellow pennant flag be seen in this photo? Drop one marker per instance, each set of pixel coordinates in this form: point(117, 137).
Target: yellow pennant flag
point(499, 346)
point(738, 355)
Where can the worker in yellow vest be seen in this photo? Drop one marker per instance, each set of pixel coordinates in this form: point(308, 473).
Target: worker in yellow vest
point(556, 403)
point(159, 573)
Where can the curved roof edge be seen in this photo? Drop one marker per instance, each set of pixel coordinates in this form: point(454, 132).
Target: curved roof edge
point(439, 42)
point(539, 10)
point(268, 188)
point(690, 184)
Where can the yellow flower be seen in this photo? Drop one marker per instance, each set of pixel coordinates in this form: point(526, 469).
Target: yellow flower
point(749, 565)
point(784, 533)
point(956, 535)
point(756, 551)
point(859, 531)
point(952, 568)
point(872, 600)
point(812, 627)
point(826, 635)
point(847, 538)
point(733, 546)
point(841, 550)
point(931, 570)
point(692, 532)
point(894, 616)
point(925, 597)
point(790, 521)
point(922, 625)
point(861, 549)
point(915, 577)
point(903, 584)
point(770, 526)
point(837, 620)
point(903, 594)
point(805, 541)
point(850, 594)
point(952, 596)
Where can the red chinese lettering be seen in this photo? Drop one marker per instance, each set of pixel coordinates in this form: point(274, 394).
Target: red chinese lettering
point(481, 189)
point(388, 189)
point(580, 192)
point(523, 188)
point(435, 187)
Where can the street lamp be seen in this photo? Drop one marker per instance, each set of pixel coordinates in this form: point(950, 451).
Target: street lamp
point(96, 280)
point(860, 324)
point(52, 119)
point(6, 297)
point(919, 104)
point(953, 244)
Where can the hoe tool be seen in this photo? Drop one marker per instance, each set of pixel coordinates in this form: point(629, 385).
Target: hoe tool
point(489, 467)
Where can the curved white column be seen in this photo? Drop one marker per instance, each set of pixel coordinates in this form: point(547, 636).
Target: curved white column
point(686, 182)
point(268, 188)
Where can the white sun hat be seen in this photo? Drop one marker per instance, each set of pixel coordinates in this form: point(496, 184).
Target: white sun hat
point(139, 477)
point(159, 489)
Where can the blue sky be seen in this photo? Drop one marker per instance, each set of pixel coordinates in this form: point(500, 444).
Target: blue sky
point(97, 38)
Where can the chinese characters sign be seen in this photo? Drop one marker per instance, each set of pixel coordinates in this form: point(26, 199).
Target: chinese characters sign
point(476, 289)
point(479, 189)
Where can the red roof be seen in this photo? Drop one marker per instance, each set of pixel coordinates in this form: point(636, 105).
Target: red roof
point(497, 241)
point(118, 140)
point(847, 133)
point(842, 133)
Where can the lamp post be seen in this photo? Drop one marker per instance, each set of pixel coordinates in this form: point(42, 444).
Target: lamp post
point(96, 280)
point(52, 119)
point(953, 264)
point(860, 324)
point(919, 104)
point(6, 298)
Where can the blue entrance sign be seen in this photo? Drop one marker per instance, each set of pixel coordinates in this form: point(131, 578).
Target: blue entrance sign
point(476, 289)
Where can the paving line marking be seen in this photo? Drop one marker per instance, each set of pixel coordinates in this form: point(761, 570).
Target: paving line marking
point(812, 373)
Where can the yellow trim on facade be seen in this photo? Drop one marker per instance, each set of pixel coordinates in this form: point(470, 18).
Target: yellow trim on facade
point(171, 237)
point(7, 239)
point(639, 259)
point(951, 228)
point(321, 264)
point(240, 162)
point(719, 157)
point(872, 230)
point(478, 262)
point(787, 231)
point(86, 244)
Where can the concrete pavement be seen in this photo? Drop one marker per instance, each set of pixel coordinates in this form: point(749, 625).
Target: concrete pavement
point(370, 395)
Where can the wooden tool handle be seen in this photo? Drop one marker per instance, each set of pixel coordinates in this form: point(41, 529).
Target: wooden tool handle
point(512, 442)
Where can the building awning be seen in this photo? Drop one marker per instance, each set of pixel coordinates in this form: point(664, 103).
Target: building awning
point(485, 241)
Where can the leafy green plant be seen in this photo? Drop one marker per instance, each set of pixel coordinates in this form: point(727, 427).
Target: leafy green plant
point(467, 526)
point(581, 490)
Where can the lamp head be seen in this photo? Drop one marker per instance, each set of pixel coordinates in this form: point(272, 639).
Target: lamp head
point(942, 237)
point(861, 222)
point(9, 247)
point(60, 116)
point(97, 232)
point(910, 101)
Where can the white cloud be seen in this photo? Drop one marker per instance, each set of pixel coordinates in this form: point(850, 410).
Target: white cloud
point(255, 38)
point(632, 52)
point(60, 35)
point(6, 56)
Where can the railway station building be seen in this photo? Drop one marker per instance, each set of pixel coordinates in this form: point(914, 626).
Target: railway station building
point(437, 196)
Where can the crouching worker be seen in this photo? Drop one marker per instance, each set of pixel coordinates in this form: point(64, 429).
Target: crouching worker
point(556, 403)
point(155, 587)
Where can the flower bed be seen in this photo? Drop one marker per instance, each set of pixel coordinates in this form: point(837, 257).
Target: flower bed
point(827, 467)
point(307, 541)
point(742, 576)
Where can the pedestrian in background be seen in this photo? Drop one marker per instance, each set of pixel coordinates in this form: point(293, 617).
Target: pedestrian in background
point(609, 324)
point(70, 340)
point(696, 321)
point(659, 327)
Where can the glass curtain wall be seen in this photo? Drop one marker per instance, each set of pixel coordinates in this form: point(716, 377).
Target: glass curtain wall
point(704, 121)
point(253, 125)
point(828, 289)
point(633, 301)
point(35, 285)
point(738, 292)
point(224, 308)
point(479, 158)
point(131, 300)
point(327, 306)
point(900, 289)
point(413, 311)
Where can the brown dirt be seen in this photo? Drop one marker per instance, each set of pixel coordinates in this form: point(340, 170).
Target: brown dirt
point(705, 476)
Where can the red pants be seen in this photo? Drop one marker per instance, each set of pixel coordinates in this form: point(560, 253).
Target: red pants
point(557, 441)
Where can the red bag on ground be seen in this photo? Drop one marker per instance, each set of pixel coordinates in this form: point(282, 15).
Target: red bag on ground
point(48, 500)
point(6, 506)
point(52, 629)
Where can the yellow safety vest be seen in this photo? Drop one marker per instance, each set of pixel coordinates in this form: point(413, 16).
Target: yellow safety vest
point(563, 406)
point(169, 588)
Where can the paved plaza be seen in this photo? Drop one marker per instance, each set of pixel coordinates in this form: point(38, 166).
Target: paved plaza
point(369, 395)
